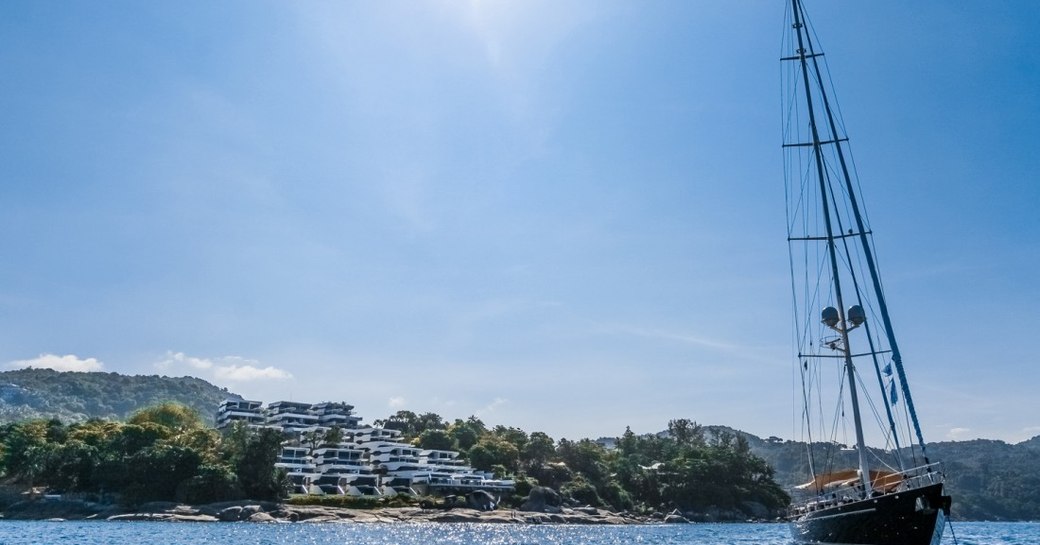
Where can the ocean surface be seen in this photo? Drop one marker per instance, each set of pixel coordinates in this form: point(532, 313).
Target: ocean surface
point(167, 533)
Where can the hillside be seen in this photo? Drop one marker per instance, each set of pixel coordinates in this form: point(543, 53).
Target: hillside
point(989, 480)
point(74, 397)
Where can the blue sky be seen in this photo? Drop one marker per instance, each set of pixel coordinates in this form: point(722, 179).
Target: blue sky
point(562, 216)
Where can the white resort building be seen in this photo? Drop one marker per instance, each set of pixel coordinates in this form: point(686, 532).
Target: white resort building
point(366, 461)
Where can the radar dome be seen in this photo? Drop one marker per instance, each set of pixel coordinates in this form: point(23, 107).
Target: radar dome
point(829, 316)
point(856, 315)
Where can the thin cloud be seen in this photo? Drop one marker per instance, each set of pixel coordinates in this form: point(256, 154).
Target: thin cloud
point(490, 408)
point(752, 353)
point(679, 337)
point(396, 402)
point(246, 373)
point(957, 433)
point(179, 358)
point(444, 402)
point(226, 368)
point(68, 362)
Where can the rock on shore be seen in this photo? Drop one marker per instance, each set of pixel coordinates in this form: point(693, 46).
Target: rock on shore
point(258, 512)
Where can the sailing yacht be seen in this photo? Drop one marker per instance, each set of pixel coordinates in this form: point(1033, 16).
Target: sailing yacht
point(846, 346)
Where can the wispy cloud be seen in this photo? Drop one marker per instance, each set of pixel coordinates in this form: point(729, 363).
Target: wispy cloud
point(245, 373)
point(67, 362)
point(957, 433)
point(760, 354)
point(179, 358)
point(679, 337)
point(444, 402)
point(226, 368)
point(491, 407)
point(397, 402)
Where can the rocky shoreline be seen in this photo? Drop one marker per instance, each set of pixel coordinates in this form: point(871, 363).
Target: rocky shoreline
point(268, 512)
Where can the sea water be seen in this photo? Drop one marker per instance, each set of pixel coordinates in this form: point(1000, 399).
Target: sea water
point(172, 533)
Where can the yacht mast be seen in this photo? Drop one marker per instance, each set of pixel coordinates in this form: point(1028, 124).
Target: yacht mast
point(868, 255)
point(842, 324)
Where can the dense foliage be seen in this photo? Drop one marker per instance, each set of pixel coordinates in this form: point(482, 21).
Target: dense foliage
point(992, 480)
point(76, 397)
point(165, 452)
point(682, 470)
point(161, 453)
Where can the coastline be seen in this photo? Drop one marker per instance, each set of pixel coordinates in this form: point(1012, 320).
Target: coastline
point(269, 512)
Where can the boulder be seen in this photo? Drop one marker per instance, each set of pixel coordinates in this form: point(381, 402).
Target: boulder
point(322, 518)
point(261, 517)
point(43, 510)
point(481, 500)
point(307, 512)
point(230, 514)
point(267, 506)
point(157, 506)
point(537, 518)
point(540, 498)
point(457, 515)
point(191, 518)
point(132, 517)
point(496, 519)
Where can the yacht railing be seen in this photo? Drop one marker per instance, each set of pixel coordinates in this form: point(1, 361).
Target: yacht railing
point(925, 475)
point(912, 479)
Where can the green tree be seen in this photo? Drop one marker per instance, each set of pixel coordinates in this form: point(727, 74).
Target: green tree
point(436, 440)
point(477, 424)
point(491, 451)
point(211, 483)
point(70, 466)
point(582, 490)
point(156, 472)
point(586, 457)
point(429, 421)
point(94, 432)
point(516, 436)
point(252, 453)
point(464, 434)
point(312, 439)
point(174, 416)
point(25, 445)
point(539, 449)
point(132, 438)
point(405, 422)
point(412, 425)
point(334, 436)
point(686, 432)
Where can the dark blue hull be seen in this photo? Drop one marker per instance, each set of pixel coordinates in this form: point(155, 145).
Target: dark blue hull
point(913, 517)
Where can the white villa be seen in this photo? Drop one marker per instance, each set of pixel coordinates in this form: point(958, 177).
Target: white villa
point(368, 461)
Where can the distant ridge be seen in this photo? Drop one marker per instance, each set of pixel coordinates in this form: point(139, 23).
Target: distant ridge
point(989, 479)
point(75, 397)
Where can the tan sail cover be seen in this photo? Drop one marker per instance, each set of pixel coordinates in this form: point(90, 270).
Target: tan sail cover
point(879, 480)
